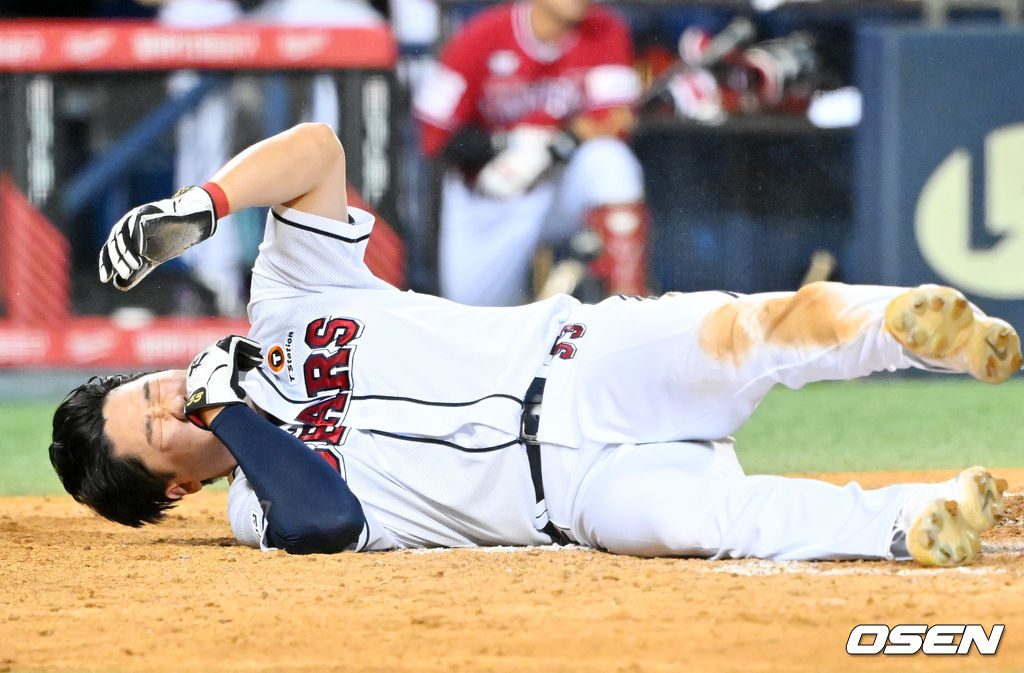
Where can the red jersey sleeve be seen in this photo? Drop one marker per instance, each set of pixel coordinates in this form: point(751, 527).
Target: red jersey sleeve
point(448, 96)
point(612, 81)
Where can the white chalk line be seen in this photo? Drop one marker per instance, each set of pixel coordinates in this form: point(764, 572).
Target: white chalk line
point(762, 567)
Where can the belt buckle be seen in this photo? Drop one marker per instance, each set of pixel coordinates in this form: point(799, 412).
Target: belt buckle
point(530, 422)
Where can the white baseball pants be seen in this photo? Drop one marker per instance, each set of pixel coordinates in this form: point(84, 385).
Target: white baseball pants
point(654, 390)
point(486, 245)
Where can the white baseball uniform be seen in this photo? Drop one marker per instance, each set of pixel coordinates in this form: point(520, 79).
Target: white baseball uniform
point(417, 402)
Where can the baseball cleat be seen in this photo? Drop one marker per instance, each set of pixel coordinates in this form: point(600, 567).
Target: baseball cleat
point(938, 325)
point(947, 531)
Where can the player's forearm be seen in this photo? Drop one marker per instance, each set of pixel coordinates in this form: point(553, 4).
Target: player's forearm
point(303, 167)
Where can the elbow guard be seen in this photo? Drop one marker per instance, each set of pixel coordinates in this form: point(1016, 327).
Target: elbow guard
point(321, 537)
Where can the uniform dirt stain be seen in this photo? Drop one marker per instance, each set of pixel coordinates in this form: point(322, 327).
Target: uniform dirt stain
point(814, 317)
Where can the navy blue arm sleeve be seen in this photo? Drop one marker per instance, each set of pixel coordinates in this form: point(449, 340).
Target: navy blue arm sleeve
point(309, 507)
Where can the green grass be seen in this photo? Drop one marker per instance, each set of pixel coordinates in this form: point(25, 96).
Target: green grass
point(938, 422)
point(24, 437)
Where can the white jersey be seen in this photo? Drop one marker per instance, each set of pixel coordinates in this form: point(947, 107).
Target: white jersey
point(414, 399)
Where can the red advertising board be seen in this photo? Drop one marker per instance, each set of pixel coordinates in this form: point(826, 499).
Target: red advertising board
point(102, 343)
point(48, 46)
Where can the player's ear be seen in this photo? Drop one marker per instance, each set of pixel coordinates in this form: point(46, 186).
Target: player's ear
point(179, 489)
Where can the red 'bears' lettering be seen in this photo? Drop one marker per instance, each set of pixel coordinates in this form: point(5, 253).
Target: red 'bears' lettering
point(324, 332)
point(322, 421)
point(331, 459)
point(328, 369)
point(327, 372)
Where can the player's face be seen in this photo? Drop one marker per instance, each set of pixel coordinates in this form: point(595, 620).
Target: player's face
point(567, 11)
point(146, 418)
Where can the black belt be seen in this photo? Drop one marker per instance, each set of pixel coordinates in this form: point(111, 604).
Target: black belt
point(528, 435)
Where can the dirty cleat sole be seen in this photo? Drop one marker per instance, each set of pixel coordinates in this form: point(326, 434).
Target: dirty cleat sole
point(947, 532)
point(980, 498)
point(938, 325)
point(940, 536)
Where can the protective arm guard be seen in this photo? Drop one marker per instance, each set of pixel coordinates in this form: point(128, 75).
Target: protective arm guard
point(308, 505)
point(154, 233)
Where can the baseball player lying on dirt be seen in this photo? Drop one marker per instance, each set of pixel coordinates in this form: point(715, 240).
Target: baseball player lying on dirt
point(374, 419)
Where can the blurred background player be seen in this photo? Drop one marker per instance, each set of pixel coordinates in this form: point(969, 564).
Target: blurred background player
point(530, 103)
point(322, 94)
point(206, 135)
point(205, 141)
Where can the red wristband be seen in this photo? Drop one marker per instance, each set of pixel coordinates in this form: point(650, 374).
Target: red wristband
point(220, 199)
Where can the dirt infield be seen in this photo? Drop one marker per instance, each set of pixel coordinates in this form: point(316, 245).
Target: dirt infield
point(79, 594)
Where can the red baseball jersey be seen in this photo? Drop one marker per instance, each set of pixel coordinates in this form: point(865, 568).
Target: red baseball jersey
point(494, 73)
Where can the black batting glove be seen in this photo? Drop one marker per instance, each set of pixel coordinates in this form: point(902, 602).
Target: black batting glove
point(153, 233)
point(212, 379)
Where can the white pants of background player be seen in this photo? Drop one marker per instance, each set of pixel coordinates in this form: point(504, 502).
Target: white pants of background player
point(204, 144)
point(694, 367)
point(486, 245)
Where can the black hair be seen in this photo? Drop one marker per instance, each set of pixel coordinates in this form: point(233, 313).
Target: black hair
point(121, 489)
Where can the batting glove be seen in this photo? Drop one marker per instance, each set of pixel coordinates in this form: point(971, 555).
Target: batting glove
point(212, 379)
point(520, 165)
point(154, 233)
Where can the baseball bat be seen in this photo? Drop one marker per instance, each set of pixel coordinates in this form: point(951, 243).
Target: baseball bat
point(739, 31)
point(565, 276)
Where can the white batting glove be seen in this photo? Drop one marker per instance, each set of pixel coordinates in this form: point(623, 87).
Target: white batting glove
point(212, 378)
point(520, 165)
point(154, 233)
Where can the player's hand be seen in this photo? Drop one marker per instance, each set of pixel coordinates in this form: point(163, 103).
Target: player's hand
point(212, 378)
point(154, 233)
point(520, 165)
